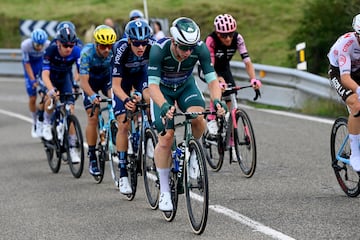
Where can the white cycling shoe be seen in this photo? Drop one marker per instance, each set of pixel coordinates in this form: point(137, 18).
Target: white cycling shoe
point(74, 155)
point(47, 134)
point(212, 127)
point(124, 186)
point(165, 203)
point(193, 166)
point(355, 163)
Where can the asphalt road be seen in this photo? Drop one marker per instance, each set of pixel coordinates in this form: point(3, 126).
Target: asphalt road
point(293, 194)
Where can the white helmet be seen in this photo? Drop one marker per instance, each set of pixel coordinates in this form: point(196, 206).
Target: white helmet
point(356, 24)
point(185, 31)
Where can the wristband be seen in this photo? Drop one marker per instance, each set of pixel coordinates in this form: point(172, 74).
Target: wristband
point(93, 97)
point(255, 81)
point(127, 100)
point(137, 94)
point(165, 108)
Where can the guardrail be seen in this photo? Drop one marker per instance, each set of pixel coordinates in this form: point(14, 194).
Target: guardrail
point(283, 87)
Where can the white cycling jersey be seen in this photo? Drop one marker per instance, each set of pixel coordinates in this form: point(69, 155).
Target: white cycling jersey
point(345, 53)
point(29, 54)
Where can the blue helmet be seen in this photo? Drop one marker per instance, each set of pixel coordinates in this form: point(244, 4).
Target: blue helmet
point(39, 36)
point(65, 24)
point(135, 14)
point(138, 29)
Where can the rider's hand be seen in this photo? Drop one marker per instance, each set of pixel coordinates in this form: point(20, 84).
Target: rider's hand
point(137, 96)
point(130, 104)
point(95, 98)
point(34, 83)
point(52, 92)
point(220, 107)
point(167, 110)
point(255, 83)
point(222, 83)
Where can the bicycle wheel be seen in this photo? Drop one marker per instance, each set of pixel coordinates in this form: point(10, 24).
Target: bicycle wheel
point(196, 187)
point(151, 179)
point(52, 150)
point(102, 155)
point(244, 143)
point(214, 150)
point(132, 172)
point(112, 153)
point(347, 178)
point(173, 183)
point(75, 168)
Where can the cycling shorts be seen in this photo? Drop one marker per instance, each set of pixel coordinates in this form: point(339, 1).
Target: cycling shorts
point(335, 82)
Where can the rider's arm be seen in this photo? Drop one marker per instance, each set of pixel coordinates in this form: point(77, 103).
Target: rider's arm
point(46, 79)
point(348, 82)
point(29, 71)
point(84, 83)
point(245, 57)
point(117, 89)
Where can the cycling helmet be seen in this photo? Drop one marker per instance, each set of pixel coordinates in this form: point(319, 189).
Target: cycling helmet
point(135, 14)
point(65, 24)
point(104, 35)
point(356, 24)
point(185, 31)
point(225, 23)
point(138, 29)
point(39, 36)
point(66, 35)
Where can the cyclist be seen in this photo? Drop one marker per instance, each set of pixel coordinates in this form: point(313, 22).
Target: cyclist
point(170, 79)
point(223, 43)
point(95, 75)
point(344, 75)
point(33, 50)
point(131, 56)
point(57, 76)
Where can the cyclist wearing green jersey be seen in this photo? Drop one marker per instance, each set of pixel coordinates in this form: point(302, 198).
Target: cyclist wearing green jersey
point(170, 70)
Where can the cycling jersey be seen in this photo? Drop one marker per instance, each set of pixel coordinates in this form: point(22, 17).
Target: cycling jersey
point(98, 68)
point(131, 68)
point(35, 59)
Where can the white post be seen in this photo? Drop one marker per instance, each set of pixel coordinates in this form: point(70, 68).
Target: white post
point(146, 10)
point(300, 51)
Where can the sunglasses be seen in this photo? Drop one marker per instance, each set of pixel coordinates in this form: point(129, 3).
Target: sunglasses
point(38, 46)
point(139, 43)
point(186, 48)
point(66, 45)
point(105, 46)
point(226, 35)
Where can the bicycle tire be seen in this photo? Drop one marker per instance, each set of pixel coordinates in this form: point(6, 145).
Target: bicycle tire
point(214, 149)
point(347, 178)
point(173, 183)
point(112, 153)
point(244, 143)
point(101, 163)
point(76, 169)
point(53, 151)
point(196, 188)
point(151, 179)
point(132, 172)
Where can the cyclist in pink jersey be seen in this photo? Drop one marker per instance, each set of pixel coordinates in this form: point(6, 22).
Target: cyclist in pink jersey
point(344, 74)
point(223, 43)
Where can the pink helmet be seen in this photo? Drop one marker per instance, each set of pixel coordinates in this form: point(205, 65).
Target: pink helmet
point(225, 23)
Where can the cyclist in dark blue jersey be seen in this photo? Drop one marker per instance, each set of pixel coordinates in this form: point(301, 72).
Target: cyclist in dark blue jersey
point(131, 56)
point(95, 75)
point(57, 77)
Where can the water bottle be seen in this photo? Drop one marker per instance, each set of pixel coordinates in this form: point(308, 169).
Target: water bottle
point(136, 138)
point(180, 150)
point(176, 158)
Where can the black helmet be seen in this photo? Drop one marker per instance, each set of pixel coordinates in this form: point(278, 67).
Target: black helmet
point(66, 35)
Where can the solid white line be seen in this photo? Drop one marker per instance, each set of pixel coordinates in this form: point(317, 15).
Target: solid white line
point(217, 208)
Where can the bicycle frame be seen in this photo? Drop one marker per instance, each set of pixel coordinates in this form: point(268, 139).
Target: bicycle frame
point(338, 154)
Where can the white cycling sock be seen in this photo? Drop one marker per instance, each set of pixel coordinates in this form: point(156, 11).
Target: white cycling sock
point(34, 117)
point(164, 179)
point(47, 118)
point(354, 145)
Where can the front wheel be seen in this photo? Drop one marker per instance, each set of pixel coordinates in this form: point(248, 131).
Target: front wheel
point(132, 172)
point(347, 178)
point(112, 153)
point(102, 156)
point(53, 151)
point(244, 144)
point(214, 150)
point(151, 179)
point(196, 187)
point(75, 146)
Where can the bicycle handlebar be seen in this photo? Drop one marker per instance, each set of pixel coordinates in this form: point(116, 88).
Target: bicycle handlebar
point(94, 106)
point(139, 105)
point(51, 106)
point(237, 88)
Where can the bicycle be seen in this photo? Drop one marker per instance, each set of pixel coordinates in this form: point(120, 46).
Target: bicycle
point(235, 127)
point(191, 179)
point(62, 121)
point(347, 178)
point(106, 146)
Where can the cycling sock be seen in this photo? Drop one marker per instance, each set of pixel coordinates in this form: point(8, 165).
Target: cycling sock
point(164, 179)
point(34, 117)
point(122, 164)
point(47, 117)
point(91, 153)
point(40, 115)
point(354, 144)
point(72, 140)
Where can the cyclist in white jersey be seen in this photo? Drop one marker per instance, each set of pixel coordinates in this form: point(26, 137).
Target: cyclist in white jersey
point(344, 74)
point(33, 50)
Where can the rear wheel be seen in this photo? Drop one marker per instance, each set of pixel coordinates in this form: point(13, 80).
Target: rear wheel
point(102, 155)
point(112, 153)
point(132, 172)
point(151, 179)
point(214, 150)
point(196, 187)
point(170, 215)
point(77, 147)
point(347, 178)
point(53, 151)
point(244, 143)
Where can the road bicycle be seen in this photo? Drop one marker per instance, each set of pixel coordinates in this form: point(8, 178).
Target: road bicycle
point(347, 178)
point(62, 121)
point(189, 174)
point(235, 134)
point(106, 146)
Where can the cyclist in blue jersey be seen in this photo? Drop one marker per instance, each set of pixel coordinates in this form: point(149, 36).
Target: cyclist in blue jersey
point(95, 75)
point(131, 56)
point(57, 76)
point(171, 64)
point(33, 50)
